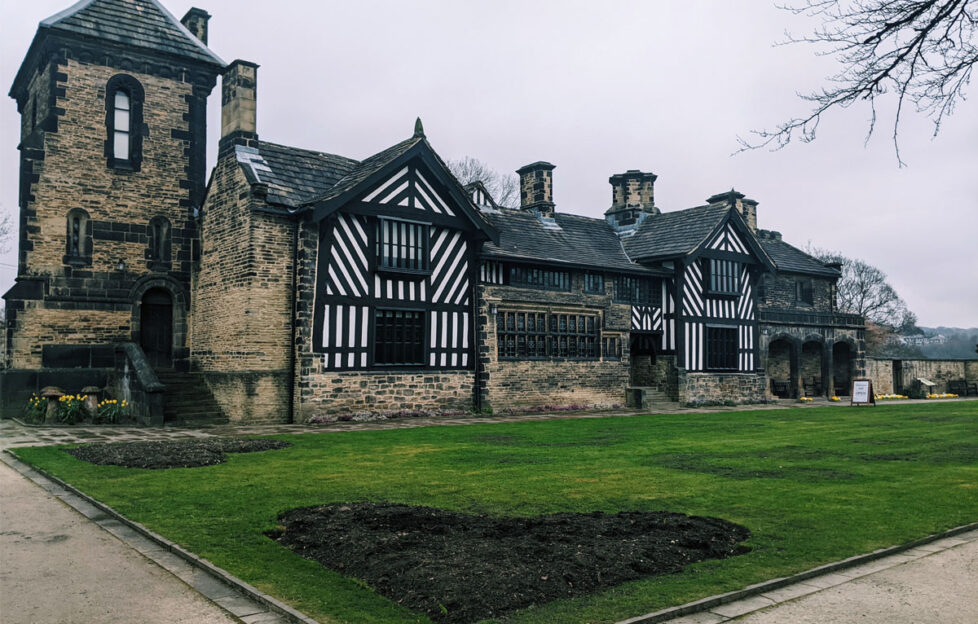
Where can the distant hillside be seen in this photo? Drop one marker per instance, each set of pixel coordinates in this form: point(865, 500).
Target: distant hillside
point(949, 342)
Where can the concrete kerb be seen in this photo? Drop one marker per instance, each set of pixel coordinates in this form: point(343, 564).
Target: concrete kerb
point(705, 604)
point(219, 574)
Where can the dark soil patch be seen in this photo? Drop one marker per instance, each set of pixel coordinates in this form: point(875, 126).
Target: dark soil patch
point(463, 568)
point(171, 453)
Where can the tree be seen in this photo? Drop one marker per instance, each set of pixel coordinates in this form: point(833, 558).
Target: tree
point(6, 230)
point(918, 51)
point(863, 290)
point(505, 189)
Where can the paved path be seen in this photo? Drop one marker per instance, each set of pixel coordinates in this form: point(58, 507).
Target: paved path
point(932, 584)
point(58, 566)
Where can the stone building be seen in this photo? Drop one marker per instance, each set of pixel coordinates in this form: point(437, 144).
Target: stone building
point(297, 283)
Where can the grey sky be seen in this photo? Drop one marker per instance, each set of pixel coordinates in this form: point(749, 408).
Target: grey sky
point(597, 88)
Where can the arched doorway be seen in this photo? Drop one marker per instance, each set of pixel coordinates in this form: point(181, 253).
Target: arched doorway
point(842, 368)
point(810, 367)
point(156, 327)
point(642, 363)
point(781, 368)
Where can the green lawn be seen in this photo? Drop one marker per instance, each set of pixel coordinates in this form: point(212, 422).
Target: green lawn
point(813, 485)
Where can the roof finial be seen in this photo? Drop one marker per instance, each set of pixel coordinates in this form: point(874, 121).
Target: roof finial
point(418, 129)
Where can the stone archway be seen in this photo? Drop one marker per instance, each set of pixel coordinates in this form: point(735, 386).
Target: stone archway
point(810, 368)
point(782, 367)
point(164, 290)
point(642, 371)
point(842, 365)
point(156, 327)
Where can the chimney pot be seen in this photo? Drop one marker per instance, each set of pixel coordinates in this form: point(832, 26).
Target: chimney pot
point(196, 22)
point(738, 201)
point(536, 188)
point(632, 199)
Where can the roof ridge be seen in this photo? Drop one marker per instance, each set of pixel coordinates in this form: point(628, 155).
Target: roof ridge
point(262, 142)
point(77, 8)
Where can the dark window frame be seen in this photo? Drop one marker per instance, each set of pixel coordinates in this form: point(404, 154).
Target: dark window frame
point(594, 283)
point(722, 348)
point(536, 335)
point(633, 289)
point(520, 276)
point(399, 338)
point(131, 87)
point(721, 278)
point(387, 257)
point(158, 244)
point(805, 291)
point(78, 238)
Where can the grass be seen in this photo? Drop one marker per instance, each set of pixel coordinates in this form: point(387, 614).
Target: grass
point(813, 485)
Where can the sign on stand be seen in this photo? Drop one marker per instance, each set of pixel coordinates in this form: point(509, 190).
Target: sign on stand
point(862, 392)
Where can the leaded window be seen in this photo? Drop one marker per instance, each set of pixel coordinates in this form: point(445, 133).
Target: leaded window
point(804, 292)
point(721, 277)
point(78, 238)
point(721, 348)
point(594, 283)
point(528, 335)
point(124, 122)
point(544, 279)
point(633, 289)
point(121, 130)
point(402, 245)
point(158, 239)
point(611, 347)
point(399, 338)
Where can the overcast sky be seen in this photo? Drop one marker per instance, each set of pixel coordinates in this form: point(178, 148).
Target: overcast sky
point(596, 89)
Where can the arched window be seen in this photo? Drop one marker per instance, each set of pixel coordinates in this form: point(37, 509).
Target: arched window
point(78, 238)
point(124, 122)
point(158, 235)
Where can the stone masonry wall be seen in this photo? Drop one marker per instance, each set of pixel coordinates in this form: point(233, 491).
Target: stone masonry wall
point(512, 384)
point(243, 301)
point(714, 388)
point(336, 393)
point(64, 167)
point(938, 371)
point(780, 293)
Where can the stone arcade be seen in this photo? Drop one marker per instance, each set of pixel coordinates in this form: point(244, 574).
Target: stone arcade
point(300, 283)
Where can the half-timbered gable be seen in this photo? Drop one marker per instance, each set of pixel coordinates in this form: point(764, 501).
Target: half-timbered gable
point(397, 264)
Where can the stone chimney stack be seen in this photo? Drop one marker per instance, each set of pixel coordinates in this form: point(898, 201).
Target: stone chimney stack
point(196, 22)
point(733, 199)
point(632, 199)
point(537, 188)
point(239, 103)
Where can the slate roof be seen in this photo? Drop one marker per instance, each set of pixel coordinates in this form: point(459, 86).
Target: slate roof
point(292, 175)
point(132, 23)
point(366, 168)
point(568, 238)
point(673, 234)
point(793, 260)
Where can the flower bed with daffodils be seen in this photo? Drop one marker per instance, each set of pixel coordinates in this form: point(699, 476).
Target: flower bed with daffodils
point(890, 397)
point(945, 395)
point(73, 409)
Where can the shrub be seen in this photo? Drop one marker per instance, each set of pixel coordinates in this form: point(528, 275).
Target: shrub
point(35, 409)
point(111, 411)
point(71, 408)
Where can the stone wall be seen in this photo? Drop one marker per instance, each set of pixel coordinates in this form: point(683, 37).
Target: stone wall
point(716, 388)
point(512, 384)
point(780, 293)
point(881, 371)
point(242, 312)
point(337, 393)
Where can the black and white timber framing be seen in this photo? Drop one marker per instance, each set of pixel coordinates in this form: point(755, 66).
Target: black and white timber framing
point(404, 247)
point(723, 300)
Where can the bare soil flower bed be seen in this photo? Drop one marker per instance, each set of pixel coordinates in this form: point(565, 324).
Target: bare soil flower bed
point(171, 453)
point(463, 568)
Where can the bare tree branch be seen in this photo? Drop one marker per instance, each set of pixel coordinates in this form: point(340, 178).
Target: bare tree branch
point(920, 51)
point(863, 290)
point(505, 189)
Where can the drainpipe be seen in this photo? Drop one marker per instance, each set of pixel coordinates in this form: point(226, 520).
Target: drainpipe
point(293, 325)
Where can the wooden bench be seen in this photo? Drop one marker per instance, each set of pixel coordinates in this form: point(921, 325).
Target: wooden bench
point(972, 388)
point(781, 388)
point(961, 387)
point(841, 387)
point(813, 387)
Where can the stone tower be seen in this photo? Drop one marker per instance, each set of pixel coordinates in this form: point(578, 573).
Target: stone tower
point(113, 98)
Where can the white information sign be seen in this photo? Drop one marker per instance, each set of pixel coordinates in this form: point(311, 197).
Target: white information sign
point(862, 392)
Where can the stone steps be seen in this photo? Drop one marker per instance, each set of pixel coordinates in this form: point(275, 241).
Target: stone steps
point(648, 397)
point(188, 401)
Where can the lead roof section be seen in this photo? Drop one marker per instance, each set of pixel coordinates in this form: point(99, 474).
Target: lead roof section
point(578, 241)
point(142, 24)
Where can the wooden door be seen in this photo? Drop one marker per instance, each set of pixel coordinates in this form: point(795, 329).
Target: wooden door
point(156, 328)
